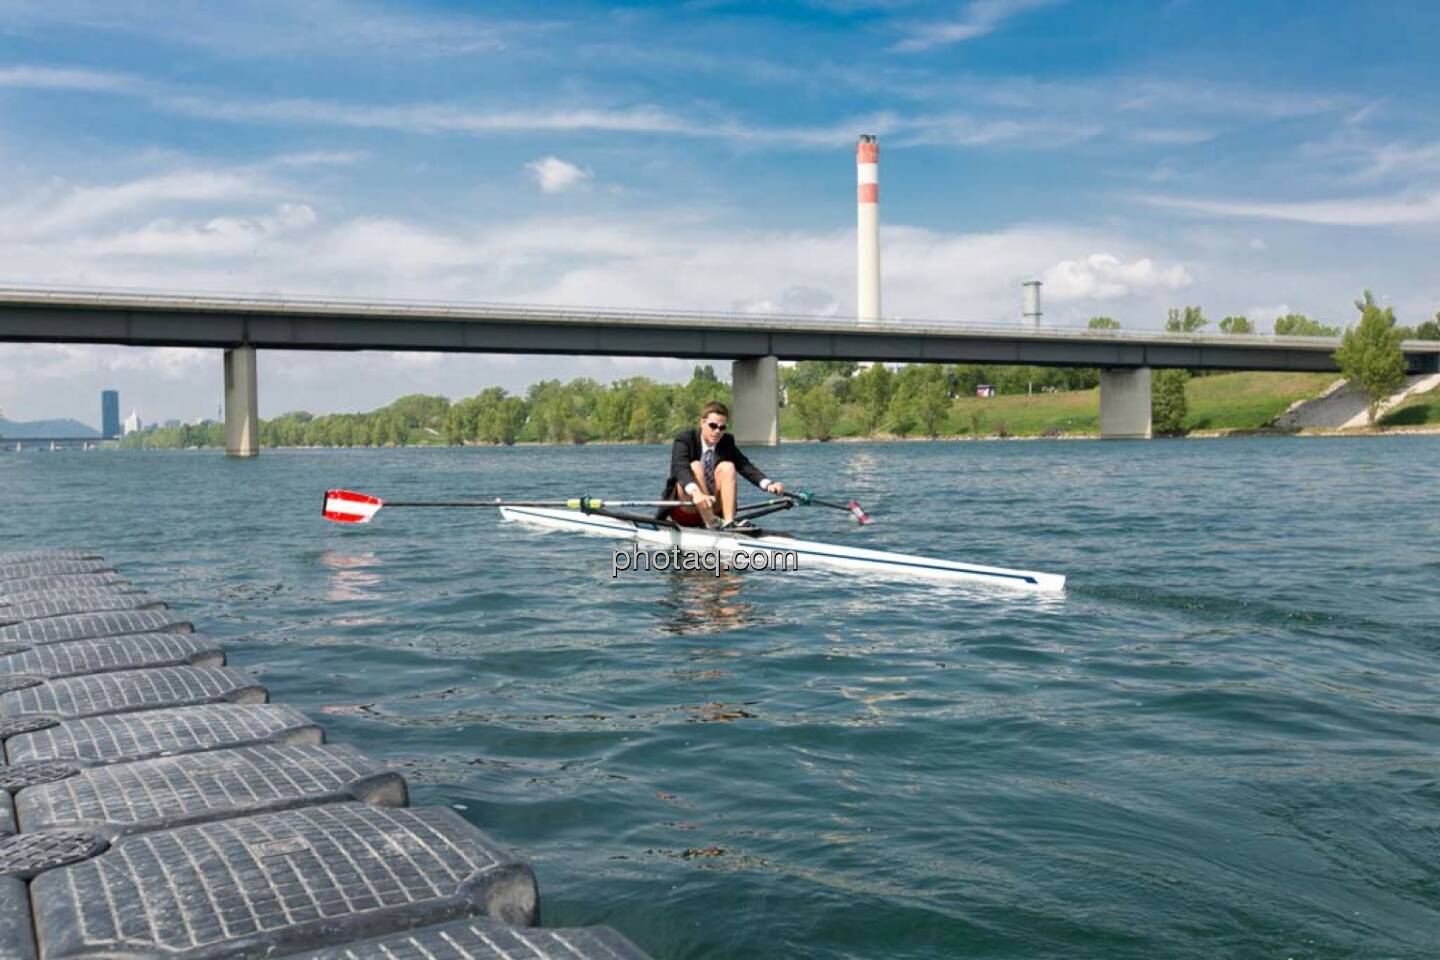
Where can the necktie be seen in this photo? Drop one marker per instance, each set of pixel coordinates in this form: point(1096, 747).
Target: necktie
point(707, 464)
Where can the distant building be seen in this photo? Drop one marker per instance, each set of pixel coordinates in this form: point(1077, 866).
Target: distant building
point(109, 413)
point(132, 422)
point(171, 423)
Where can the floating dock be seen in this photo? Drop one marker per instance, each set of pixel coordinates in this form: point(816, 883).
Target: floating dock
point(153, 802)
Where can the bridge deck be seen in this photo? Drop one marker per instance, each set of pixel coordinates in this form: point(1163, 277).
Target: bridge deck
point(285, 323)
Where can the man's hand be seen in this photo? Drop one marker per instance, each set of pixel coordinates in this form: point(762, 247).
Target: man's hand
point(777, 487)
point(703, 500)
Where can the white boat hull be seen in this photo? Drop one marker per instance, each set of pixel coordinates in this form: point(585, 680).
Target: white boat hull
point(810, 553)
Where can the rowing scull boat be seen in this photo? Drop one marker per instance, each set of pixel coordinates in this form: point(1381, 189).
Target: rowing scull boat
point(810, 553)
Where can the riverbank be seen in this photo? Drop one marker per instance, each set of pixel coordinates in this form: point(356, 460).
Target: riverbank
point(1244, 404)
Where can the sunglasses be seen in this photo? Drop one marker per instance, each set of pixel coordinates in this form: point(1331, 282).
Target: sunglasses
point(715, 426)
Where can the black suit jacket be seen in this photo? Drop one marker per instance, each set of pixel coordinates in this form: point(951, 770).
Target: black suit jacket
point(687, 448)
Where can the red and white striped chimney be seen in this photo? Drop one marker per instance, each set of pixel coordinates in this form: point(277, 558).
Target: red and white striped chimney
point(867, 177)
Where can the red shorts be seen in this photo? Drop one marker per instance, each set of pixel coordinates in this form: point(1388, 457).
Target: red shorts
point(686, 517)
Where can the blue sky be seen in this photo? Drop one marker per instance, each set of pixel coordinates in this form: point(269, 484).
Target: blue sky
point(1251, 158)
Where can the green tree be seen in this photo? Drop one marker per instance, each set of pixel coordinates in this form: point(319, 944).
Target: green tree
point(1369, 354)
point(806, 374)
point(1189, 320)
point(1103, 323)
point(1168, 405)
point(933, 407)
point(1237, 325)
point(417, 410)
point(509, 419)
point(921, 399)
point(1429, 330)
point(1299, 325)
point(818, 409)
point(874, 388)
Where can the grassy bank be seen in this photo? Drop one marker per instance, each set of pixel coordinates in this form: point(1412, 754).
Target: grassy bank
point(1230, 401)
point(1418, 411)
point(1247, 401)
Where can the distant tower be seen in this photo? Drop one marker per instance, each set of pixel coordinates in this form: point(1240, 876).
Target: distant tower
point(1032, 304)
point(109, 414)
point(867, 177)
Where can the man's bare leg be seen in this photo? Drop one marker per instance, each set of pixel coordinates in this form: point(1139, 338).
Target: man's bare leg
point(725, 480)
point(707, 511)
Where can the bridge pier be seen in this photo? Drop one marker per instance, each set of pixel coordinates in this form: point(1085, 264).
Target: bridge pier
point(242, 407)
point(1125, 403)
point(755, 384)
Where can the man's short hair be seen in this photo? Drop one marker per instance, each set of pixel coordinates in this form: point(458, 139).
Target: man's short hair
point(715, 406)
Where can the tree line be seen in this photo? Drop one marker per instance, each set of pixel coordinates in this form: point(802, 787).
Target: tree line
point(911, 400)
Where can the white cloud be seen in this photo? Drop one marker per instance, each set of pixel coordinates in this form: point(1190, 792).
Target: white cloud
point(1102, 276)
point(1172, 136)
point(794, 301)
point(1267, 315)
point(61, 78)
point(212, 237)
point(168, 363)
point(1021, 112)
point(318, 158)
point(983, 17)
point(554, 175)
point(59, 208)
point(960, 130)
point(62, 362)
point(1193, 98)
point(1401, 158)
point(271, 28)
point(430, 118)
point(1394, 210)
point(1363, 157)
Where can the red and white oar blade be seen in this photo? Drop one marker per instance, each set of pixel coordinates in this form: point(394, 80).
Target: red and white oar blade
point(347, 506)
point(858, 512)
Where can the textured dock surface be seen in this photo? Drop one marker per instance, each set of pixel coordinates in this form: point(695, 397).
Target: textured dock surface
point(153, 803)
point(80, 657)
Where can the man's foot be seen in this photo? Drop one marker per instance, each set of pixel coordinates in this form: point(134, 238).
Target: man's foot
point(738, 523)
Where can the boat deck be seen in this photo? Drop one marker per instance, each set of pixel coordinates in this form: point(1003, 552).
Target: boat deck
point(154, 803)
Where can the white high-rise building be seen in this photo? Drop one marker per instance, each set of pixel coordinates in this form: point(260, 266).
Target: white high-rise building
point(132, 423)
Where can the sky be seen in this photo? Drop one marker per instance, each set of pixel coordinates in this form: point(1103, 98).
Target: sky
point(1254, 157)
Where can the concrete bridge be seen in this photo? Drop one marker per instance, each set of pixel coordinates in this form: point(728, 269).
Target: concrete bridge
point(243, 325)
point(53, 443)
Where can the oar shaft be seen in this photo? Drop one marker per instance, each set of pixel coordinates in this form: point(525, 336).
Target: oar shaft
point(573, 504)
point(852, 508)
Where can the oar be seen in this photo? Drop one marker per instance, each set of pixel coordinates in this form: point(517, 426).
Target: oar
point(348, 506)
point(852, 508)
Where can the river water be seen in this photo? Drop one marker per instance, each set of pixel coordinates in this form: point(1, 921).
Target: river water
point(1222, 741)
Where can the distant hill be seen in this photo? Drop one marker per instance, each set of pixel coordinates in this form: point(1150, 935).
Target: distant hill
point(12, 430)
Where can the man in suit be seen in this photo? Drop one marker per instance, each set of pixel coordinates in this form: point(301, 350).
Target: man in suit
point(703, 463)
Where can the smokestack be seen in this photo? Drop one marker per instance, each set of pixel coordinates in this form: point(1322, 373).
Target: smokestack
point(1032, 304)
point(867, 176)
